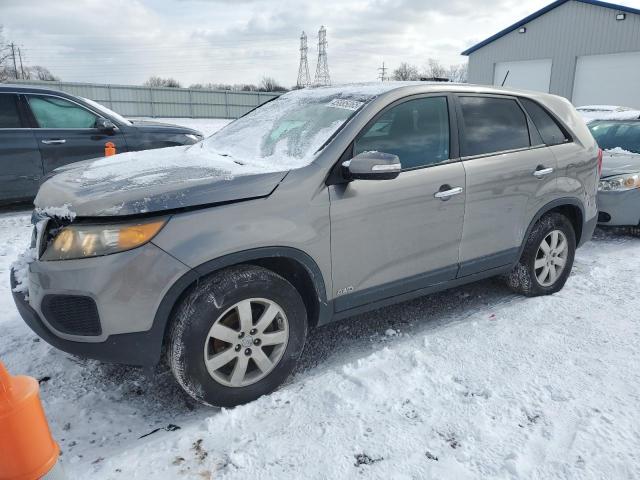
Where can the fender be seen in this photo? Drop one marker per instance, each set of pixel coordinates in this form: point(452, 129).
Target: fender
point(173, 295)
point(559, 202)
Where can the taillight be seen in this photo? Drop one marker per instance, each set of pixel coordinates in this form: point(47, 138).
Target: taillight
point(599, 162)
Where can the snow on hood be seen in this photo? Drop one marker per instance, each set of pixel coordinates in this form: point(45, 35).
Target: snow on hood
point(619, 162)
point(154, 180)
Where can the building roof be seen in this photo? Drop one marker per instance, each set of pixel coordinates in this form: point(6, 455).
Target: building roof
point(539, 13)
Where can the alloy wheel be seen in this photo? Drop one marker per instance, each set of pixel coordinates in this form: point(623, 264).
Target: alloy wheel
point(551, 258)
point(246, 342)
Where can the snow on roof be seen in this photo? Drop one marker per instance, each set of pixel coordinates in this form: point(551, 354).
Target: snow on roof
point(592, 113)
point(370, 89)
point(603, 108)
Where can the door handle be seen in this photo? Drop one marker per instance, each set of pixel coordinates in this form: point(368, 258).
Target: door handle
point(541, 172)
point(54, 141)
point(446, 194)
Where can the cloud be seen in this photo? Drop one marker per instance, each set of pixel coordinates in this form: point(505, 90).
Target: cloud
point(126, 41)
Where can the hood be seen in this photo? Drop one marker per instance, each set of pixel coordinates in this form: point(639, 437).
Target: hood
point(149, 126)
point(619, 162)
point(154, 181)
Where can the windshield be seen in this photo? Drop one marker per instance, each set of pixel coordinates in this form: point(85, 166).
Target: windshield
point(612, 135)
point(109, 113)
point(288, 131)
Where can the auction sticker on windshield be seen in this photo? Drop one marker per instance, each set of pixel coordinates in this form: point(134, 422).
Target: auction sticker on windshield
point(346, 104)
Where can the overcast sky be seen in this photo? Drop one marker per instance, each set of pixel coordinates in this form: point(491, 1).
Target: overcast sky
point(234, 41)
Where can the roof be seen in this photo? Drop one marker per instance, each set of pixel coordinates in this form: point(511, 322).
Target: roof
point(539, 13)
point(19, 88)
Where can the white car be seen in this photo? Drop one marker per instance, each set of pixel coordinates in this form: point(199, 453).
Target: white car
point(617, 131)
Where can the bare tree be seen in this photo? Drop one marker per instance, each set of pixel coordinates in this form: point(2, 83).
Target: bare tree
point(406, 71)
point(8, 67)
point(154, 81)
point(6, 70)
point(458, 73)
point(236, 87)
point(434, 69)
point(270, 84)
point(40, 73)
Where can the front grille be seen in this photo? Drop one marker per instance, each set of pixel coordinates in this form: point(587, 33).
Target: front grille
point(72, 314)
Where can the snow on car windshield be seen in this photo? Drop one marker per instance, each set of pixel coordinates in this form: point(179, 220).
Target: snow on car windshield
point(288, 131)
point(617, 135)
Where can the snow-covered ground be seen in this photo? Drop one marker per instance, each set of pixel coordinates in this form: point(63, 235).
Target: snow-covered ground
point(472, 383)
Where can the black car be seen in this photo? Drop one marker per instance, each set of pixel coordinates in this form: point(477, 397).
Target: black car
point(41, 130)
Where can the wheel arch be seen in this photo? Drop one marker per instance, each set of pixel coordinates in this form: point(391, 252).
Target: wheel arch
point(570, 207)
point(294, 265)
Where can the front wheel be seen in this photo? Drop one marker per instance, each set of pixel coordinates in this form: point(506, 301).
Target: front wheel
point(547, 258)
point(237, 336)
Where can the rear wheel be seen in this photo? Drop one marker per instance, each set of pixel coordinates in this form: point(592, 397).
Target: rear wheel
point(547, 259)
point(236, 336)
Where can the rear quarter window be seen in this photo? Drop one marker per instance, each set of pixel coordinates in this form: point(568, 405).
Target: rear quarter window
point(549, 129)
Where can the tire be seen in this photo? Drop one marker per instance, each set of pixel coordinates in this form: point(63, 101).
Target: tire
point(525, 278)
point(195, 347)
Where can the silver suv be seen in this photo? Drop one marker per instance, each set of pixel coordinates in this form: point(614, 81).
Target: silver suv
point(319, 205)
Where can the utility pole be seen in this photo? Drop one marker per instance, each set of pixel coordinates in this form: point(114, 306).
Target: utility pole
point(383, 73)
point(21, 67)
point(303, 70)
point(322, 69)
point(13, 55)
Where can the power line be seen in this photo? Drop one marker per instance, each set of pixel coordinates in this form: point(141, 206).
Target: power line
point(21, 67)
point(322, 68)
point(303, 70)
point(383, 73)
point(13, 55)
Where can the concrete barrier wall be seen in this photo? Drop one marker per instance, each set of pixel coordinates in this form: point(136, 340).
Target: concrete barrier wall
point(134, 101)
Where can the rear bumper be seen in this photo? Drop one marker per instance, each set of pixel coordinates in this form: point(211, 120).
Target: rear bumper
point(142, 348)
point(587, 230)
point(619, 209)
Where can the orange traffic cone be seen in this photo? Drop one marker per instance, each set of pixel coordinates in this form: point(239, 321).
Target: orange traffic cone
point(27, 449)
point(109, 149)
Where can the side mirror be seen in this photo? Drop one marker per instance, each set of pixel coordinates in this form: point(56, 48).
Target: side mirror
point(373, 166)
point(105, 125)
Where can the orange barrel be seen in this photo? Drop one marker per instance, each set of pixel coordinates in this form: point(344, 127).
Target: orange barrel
point(109, 149)
point(27, 449)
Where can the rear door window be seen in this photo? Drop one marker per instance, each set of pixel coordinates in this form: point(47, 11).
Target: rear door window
point(417, 131)
point(492, 125)
point(9, 116)
point(550, 131)
point(55, 112)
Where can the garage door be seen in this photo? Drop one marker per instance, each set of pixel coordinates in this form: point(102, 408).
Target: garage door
point(528, 75)
point(608, 80)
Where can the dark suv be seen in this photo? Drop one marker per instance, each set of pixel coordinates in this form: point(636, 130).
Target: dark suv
point(41, 130)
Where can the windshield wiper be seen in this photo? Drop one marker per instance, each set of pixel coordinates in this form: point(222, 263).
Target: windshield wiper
point(234, 160)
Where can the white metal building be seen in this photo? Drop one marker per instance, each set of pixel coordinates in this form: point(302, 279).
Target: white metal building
point(585, 50)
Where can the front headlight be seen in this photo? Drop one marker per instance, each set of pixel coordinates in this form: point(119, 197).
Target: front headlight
point(620, 183)
point(82, 241)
